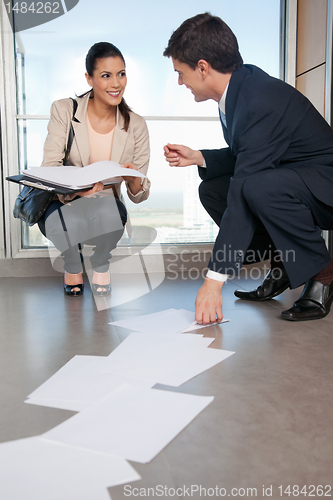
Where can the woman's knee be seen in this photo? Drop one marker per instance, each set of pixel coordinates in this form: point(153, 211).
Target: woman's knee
point(53, 207)
point(109, 211)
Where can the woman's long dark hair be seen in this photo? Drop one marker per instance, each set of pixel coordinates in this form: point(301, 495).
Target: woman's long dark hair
point(101, 50)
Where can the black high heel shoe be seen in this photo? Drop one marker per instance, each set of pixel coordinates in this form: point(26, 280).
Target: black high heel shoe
point(101, 290)
point(69, 289)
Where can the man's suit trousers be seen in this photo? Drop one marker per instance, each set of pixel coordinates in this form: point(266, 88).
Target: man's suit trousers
point(290, 218)
point(213, 196)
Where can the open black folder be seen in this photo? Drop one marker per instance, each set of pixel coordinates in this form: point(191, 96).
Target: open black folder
point(25, 180)
point(68, 180)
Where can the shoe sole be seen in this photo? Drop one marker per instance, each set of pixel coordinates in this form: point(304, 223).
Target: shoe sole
point(303, 319)
point(73, 294)
point(328, 307)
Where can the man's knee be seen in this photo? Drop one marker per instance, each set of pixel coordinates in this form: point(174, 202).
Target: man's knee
point(204, 192)
point(259, 189)
point(214, 190)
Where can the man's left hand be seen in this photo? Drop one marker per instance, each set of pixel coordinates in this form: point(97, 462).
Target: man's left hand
point(208, 305)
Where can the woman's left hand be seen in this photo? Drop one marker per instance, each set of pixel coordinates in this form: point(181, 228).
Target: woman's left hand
point(134, 183)
point(99, 186)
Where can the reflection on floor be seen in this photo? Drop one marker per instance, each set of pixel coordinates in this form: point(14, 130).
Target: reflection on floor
point(270, 422)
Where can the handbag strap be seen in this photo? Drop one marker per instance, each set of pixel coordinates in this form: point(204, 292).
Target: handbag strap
point(71, 134)
point(115, 194)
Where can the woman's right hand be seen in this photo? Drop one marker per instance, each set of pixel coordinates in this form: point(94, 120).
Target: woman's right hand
point(182, 156)
point(99, 186)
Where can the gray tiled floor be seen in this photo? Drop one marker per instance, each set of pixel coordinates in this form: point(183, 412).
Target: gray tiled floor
point(271, 421)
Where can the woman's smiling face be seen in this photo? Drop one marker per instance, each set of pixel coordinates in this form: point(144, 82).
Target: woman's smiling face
point(108, 80)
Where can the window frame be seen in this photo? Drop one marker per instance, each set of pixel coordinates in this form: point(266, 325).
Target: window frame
point(11, 235)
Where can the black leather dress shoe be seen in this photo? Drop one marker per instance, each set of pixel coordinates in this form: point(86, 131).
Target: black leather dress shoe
point(314, 303)
point(275, 282)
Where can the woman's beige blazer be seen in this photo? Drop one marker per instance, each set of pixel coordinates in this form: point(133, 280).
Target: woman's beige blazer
point(131, 146)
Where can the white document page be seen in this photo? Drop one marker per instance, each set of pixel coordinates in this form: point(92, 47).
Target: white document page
point(148, 323)
point(87, 384)
point(132, 422)
point(61, 404)
point(95, 494)
point(194, 364)
point(148, 357)
point(80, 177)
point(133, 343)
point(169, 321)
point(71, 366)
point(196, 326)
point(36, 469)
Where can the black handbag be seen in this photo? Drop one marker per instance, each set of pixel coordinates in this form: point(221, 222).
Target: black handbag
point(32, 202)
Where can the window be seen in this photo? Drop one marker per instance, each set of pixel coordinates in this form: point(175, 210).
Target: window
point(50, 66)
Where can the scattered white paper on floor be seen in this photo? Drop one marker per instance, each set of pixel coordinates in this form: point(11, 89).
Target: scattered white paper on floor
point(95, 494)
point(87, 384)
point(196, 363)
point(60, 404)
point(37, 469)
point(132, 422)
point(70, 367)
point(196, 326)
point(163, 322)
point(142, 359)
point(136, 323)
point(146, 356)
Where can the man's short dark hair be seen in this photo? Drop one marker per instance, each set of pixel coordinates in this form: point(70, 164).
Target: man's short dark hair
point(205, 37)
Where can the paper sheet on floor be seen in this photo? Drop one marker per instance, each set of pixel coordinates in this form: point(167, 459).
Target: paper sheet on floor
point(143, 359)
point(83, 382)
point(132, 422)
point(37, 469)
point(192, 365)
point(95, 494)
point(71, 366)
point(163, 322)
point(196, 326)
point(146, 356)
point(61, 404)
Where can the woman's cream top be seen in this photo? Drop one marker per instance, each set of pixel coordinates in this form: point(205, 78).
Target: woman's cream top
point(100, 144)
point(100, 149)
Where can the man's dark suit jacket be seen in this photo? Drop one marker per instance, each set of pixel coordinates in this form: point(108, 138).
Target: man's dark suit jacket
point(269, 125)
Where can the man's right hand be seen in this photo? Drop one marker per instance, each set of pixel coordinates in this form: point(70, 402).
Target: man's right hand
point(208, 304)
point(182, 156)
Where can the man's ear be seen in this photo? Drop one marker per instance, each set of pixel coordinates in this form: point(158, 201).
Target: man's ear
point(203, 67)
